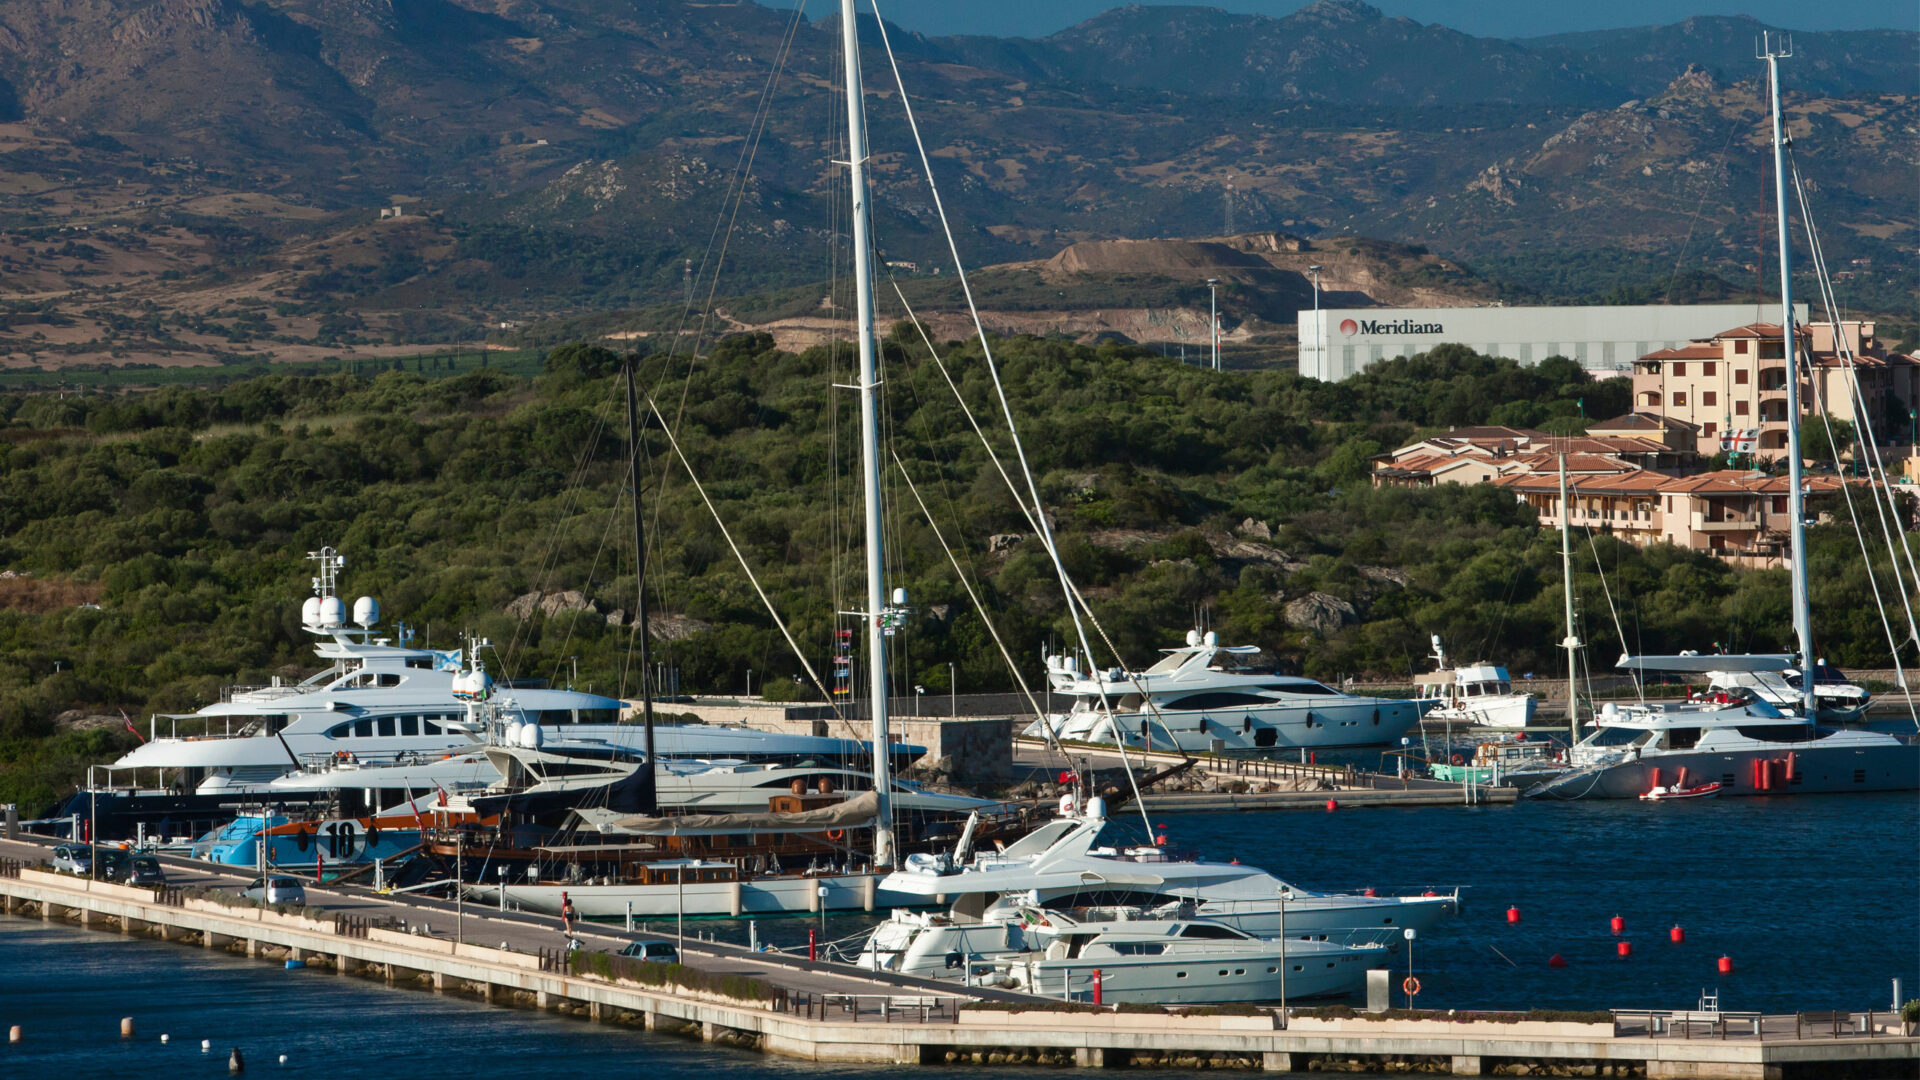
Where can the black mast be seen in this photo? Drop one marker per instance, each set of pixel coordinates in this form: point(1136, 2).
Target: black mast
point(647, 792)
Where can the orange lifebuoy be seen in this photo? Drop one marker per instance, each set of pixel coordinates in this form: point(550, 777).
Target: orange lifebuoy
point(836, 834)
point(1458, 760)
point(1410, 984)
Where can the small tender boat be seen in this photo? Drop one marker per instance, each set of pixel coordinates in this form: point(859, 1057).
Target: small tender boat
point(1675, 791)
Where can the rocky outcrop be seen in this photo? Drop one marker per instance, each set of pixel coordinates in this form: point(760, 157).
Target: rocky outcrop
point(1320, 613)
point(1257, 529)
point(1000, 542)
point(550, 604)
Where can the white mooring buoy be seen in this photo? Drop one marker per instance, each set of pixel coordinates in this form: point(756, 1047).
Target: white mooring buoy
point(164, 1037)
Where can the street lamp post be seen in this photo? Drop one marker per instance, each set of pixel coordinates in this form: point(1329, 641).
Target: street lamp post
point(953, 692)
point(749, 684)
point(1319, 338)
point(917, 691)
point(1213, 319)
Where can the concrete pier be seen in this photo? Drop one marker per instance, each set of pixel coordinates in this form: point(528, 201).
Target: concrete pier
point(835, 1014)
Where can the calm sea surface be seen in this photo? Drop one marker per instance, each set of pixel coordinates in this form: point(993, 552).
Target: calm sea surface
point(1816, 899)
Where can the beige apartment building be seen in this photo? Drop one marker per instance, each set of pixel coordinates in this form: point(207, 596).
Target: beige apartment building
point(1736, 382)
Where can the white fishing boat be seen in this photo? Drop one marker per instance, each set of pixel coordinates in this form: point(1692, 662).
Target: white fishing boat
point(1479, 695)
point(1199, 698)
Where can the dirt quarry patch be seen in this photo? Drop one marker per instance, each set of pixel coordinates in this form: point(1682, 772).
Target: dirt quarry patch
point(37, 596)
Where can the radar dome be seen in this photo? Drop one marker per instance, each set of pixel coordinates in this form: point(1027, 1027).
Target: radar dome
point(511, 735)
point(310, 612)
point(472, 686)
point(366, 611)
point(1211, 638)
point(1193, 637)
point(333, 612)
point(530, 736)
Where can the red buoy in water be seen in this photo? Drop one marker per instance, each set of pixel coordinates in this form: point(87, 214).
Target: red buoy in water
point(1726, 965)
point(1624, 948)
point(1333, 804)
point(1677, 935)
point(1619, 924)
point(1513, 914)
point(1556, 961)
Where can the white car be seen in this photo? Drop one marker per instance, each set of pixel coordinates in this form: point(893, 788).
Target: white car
point(276, 889)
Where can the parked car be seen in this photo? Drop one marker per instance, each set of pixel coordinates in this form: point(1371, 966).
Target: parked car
point(143, 870)
point(660, 952)
point(276, 889)
point(73, 858)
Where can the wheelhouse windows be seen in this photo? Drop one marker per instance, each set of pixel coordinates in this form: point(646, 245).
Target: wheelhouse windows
point(1218, 699)
point(410, 725)
point(386, 726)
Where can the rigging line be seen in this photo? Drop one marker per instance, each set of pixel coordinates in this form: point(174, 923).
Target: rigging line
point(549, 564)
point(613, 517)
point(1845, 348)
point(1045, 531)
point(1025, 691)
point(1607, 590)
point(1074, 594)
point(751, 153)
point(751, 577)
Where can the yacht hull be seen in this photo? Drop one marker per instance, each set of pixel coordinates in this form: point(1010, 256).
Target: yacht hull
point(1817, 771)
point(1355, 722)
point(1202, 980)
point(787, 895)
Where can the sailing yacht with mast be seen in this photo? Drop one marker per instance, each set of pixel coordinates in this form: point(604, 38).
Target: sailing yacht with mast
point(1733, 737)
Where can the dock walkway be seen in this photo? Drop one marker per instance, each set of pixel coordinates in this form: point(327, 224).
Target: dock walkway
point(830, 1013)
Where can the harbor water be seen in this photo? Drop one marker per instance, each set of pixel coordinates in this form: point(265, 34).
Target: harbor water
point(1816, 900)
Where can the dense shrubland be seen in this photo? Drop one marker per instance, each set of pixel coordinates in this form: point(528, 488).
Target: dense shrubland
point(187, 511)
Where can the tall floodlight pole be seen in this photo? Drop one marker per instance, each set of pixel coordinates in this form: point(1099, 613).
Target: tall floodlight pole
point(1213, 319)
point(876, 613)
point(1796, 497)
point(1319, 339)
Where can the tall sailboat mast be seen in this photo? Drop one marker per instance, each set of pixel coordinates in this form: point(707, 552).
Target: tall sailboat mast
point(1572, 641)
point(1796, 498)
point(876, 612)
point(650, 794)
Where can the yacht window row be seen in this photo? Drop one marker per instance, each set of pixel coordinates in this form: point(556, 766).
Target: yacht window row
point(411, 724)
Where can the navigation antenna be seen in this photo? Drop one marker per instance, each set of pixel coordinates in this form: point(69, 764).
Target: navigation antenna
point(331, 562)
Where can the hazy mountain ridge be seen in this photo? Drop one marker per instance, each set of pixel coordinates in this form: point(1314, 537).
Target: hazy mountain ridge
point(575, 154)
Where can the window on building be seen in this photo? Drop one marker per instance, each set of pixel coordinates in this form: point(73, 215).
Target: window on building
point(1708, 397)
point(1740, 347)
point(1680, 399)
point(1740, 376)
point(1708, 368)
point(1709, 430)
point(1779, 504)
point(1740, 408)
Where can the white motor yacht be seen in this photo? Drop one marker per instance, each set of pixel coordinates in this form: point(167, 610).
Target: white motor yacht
point(1198, 698)
point(379, 701)
point(1481, 695)
point(1061, 867)
point(1733, 738)
point(1182, 961)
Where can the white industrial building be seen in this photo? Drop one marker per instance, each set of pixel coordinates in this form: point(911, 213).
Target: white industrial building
point(1337, 342)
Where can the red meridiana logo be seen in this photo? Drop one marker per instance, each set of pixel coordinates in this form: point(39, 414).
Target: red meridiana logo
point(1349, 327)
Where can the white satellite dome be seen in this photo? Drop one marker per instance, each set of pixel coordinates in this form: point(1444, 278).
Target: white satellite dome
point(511, 734)
point(366, 611)
point(530, 736)
point(310, 612)
point(1193, 637)
point(333, 612)
point(1211, 638)
point(472, 686)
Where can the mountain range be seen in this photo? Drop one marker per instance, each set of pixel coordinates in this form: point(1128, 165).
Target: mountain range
point(558, 156)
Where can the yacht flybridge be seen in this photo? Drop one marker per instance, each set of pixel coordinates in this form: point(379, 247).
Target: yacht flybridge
point(380, 701)
point(1201, 697)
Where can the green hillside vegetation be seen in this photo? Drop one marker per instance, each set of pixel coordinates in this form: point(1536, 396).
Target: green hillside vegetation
point(185, 512)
